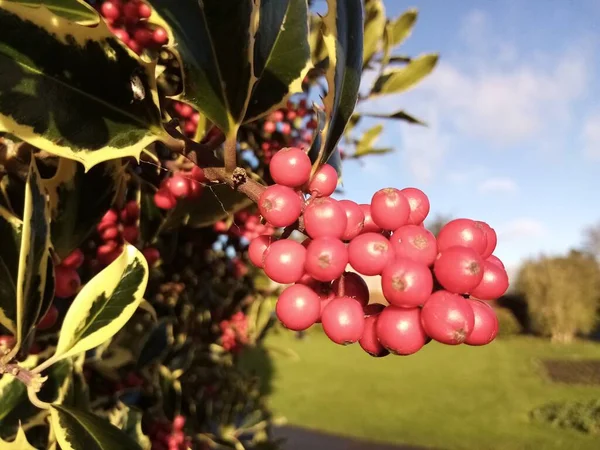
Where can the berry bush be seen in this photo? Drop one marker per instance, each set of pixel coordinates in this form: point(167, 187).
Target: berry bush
point(158, 160)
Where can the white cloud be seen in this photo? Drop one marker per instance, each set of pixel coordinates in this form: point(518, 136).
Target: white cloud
point(498, 184)
point(591, 137)
point(522, 228)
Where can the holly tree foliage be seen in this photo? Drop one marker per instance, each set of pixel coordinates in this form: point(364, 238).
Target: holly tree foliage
point(124, 305)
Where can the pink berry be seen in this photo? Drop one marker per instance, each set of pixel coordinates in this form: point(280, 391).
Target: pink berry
point(369, 341)
point(290, 167)
point(462, 232)
point(448, 318)
point(284, 261)
point(280, 205)
point(494, 259)
point(121, 33)
point(458, 269)
point(74, 260)
point(269, 127)
point(257, 249)
point(485, 327)
point(324, 217)
point(323, 182)
point(131, 233)
point(354, 287)
point(406, 283)
point(144, 10)
point(419, 205)
point(369, 253)
point(163, 199)
point(110, 217)
point(198, 175)
point(160, 37)
point(416, 243)
point(152, 255)
point(490, 237)
point(355, 219)
point(390, 209)
point(368, 226)
point(326, 258)
point(343, 320)
point(110, 11)
point(178, 422)
point(179, 185)
point(493, 284)
point(49, 319)
point(143, 36)
point(298, 307)
point(67, 282)
point(400, 331)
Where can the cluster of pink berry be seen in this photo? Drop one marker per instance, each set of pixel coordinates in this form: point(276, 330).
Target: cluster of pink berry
point(182, 184)
point(246, 225)
point(427, 281)
point(187, 116)
point(127, 19)
point(234, 332)
point(295, 123)
point(115, 228)
point(169, 436)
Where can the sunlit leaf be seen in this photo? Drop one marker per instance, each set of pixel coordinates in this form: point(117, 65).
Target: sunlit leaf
point(399, 80)
point(373, 30)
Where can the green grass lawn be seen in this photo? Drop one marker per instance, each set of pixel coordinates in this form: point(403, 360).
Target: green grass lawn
point(445, 397)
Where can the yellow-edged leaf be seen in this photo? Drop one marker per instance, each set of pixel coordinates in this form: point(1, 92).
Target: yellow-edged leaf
point(13, 391)
point(11, 230)
point(399, 80)
point(104, 304)
point(20, 442)
point(368, 138)
point(374, 28)
point(402, 26)
point(73, 10)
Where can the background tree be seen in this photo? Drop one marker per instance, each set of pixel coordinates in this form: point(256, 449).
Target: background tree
point(562, 294)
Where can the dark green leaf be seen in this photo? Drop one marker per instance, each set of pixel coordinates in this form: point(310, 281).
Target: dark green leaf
point(213, 41)
point(73, 90)
point(78, 395)
point(374, 26)
point(81, 430)
point(49, 287)
point(400, 115)
point(170, 390)
point(58, 383)
point(402, 26)
point(400, 59)
point(344, 39)
point(11, 229)
point(12, 392)
point(281, 54)
point(156, 344)
point(318, 49)
point(79, 199)
point(73, 10)
point(399, 80)
point(217, 203)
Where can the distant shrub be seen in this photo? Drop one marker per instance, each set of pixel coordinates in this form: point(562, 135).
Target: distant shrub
point(579, 416)
point(508, 325)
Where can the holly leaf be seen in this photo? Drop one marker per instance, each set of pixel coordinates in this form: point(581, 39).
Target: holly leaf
point(72, 90)
point(399, 80)
point(318, 50)
point(81, 430)
point(20, 442)
point(13, 391)
point(213, 41)
point(374, 27)
point(368, 138)
point(343, 37)
point(104, 305)
point(217, 203)
point(400, 115)
point(281, 54)
point(402, 27)
point(79, 199)
point(372, 151)
point(73, 10)
point(11, 230)
point(156, 343)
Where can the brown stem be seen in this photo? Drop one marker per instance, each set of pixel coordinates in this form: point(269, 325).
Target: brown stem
point(230, 153)
point(342, 285)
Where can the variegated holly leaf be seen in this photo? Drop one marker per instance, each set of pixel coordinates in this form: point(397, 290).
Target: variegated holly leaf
point(72, 90)
point(13, 391)
point(400, 115)
point(81, 430)
point(343, 35)
point(399, 80)
point(374, 27)
point(214, 42)
point(11, 230)
point(79, 199)
point(281, 54)
point(73, 10)
point(19, 443)
point(103, 306)
point(402, 26)
point(156, 343)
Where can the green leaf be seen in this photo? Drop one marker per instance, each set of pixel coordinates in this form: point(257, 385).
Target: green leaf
point(11, 230)
point(73, 90)
point(33, 256)
point(20, 442)
point(13, 391)
point(318, 50)
point(104, 304)
point(81, 430)
point(170, 391)
point(343, 36)
point(213, 40)
point(399, 80)
point(217, 203)
point(281, 54)
point(79, 199)
point(368, 138)
point(400, 115)
point(402, 26)
point(73, 10)
point(78, 394)
point(372, 151)
point(374, 27)
point(58, 384)
point(156, 344)
point(130, 422)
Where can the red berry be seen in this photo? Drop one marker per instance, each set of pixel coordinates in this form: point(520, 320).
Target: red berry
point(163, 199)
point(389, 209)
point(343, 320)
point(160, 37)
point(280, 205)
point(152, 255)
point(355, 219)
point(373, 309)
point(369, 253)
point(110, 11)
point(122, 34)
point(290, 167)
point(494, 259)
point(67, 282)
point(131, 233)
point(419, 205)
point(298, 307)
point(7, 341)
point(368, 226)
point(49, 319)
point(448, 318)
point(74, 260)
point(186, 111)
point(416, 243)
point(284, 261)
point(354, 287)
point(490, 237)
point(143, 36)
point(400, 331)
point(111, 217)
point(286, 128)
point(494, 283)
point(257, 248)
point(369, 341)
point(458, 269)
point(110, 233)
point(406, 283)
point(179, 185)
point(178, 422)
point(462, 232)
point(324, 217)
point(144, 10)
point(131, 213)
point(485, 328)
point(326, 258)
point(269, 127)
point(131, 12)
point(323, 182)
point(134, 46)
point(276, 116)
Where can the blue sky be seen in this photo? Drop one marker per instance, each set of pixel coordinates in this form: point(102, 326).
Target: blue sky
point(514, 120)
